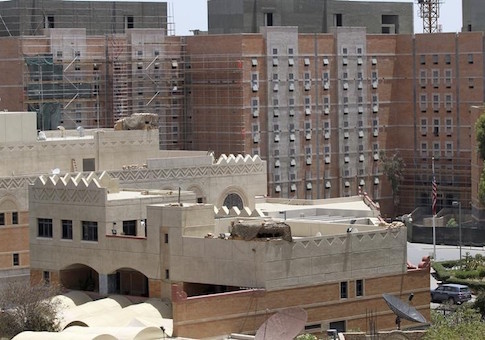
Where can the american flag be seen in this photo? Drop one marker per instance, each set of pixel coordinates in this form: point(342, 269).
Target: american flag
point(434, 191)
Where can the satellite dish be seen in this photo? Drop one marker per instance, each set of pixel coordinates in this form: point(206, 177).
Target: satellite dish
point(284, 325)
point(56, 171)
point(403, 310)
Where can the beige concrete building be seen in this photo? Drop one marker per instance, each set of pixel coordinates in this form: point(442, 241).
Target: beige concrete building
point(219, 266)
point(131, 156)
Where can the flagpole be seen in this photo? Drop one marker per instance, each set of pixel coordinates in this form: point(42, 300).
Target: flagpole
point(433, 208)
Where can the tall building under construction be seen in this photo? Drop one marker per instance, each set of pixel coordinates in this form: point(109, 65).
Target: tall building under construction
point(320, 108)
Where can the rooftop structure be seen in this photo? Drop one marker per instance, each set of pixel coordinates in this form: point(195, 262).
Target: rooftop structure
point(315, 16)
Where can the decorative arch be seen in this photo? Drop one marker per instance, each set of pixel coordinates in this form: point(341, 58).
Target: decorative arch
point(8, 203)
point(128, 281)
point(233, 195)
point(79, 276)
point(199, 193)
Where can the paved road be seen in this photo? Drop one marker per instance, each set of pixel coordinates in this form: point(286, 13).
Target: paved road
point(417, 250)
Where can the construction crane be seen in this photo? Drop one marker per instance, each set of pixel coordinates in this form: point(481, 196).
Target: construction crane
point(429, 11)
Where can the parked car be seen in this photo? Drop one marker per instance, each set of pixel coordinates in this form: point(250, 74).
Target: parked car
point(451, 292)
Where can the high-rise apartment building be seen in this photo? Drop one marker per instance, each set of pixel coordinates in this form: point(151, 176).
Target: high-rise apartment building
point(321, 109)
point(311, 16)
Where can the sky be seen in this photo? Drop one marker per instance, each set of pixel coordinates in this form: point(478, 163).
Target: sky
point(192, 14)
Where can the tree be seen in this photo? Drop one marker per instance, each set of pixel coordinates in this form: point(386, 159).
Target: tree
point(480, 135)
point(25, 307)
point(393, 169)
point(463, 323)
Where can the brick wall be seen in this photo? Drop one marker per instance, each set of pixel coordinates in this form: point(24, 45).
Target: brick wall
point(245, 311)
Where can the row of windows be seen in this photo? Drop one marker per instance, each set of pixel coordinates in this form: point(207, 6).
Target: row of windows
point(14, 218)
point(344, 289)
point(436, 102)
point(436, 126)
point(89, 229)
point(435, 59)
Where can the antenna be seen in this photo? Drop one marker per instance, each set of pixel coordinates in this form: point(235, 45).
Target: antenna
point(284, 325)
point(429, 11)
point(403, 310)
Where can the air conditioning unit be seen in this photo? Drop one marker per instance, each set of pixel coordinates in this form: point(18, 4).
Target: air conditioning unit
point(277, 138)
point(255, 113)
point(307, 111)
point(255, 88)
point(326, 85)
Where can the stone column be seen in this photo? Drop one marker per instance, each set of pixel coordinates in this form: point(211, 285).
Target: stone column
point(103, 284)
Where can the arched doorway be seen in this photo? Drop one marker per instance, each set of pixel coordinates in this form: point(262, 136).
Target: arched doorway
point(127, 281)
point(80, 277)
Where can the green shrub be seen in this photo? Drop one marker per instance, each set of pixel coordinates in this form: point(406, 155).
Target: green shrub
point(467, 274)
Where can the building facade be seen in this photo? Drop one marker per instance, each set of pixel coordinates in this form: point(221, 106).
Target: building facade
point(472, 16)
point(321, 109)
point(131, 156)
point(314, 16)
point(31, 17)
point(196, 259)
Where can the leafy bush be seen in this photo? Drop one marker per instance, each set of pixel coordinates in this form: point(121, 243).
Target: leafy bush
point(464, 323)
point(467, 274)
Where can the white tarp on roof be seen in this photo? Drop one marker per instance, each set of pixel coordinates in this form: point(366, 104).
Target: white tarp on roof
point(71, 299)
point(62, 336)
point(152, 312)
point(122, 333)
point(93, 308)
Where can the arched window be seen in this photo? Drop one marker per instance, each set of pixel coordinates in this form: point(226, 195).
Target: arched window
point(233, 200)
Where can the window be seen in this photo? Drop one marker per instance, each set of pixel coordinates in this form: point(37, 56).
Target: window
point(44, 227)
point(359, 288)
point(90, 231)
point(2, 218)
point(436, 127)
point(448, 102)
point(167, 274)
point(16, 259)
point(424, 149)
point(47, 277)
point(436, 149)
point(422, 78)
point(15, 217)
point(436, 102)
point(449, 126)
point(66, 229)
point(424, 126)
point(337, 20)
point(129, 227)
point(268, 19)
point(471, 83)
point(423, 102)
point(49, 21)
point(343, 290)
point(89, 164)
point(436, 77)
point(447, 59)
point(129, 21)
point(422, 59)
point(448, 74)
point(470, 58)
point(449, 149)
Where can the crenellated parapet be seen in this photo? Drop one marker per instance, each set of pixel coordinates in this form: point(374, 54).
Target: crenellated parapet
point(74, 188)
point(224, 212)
